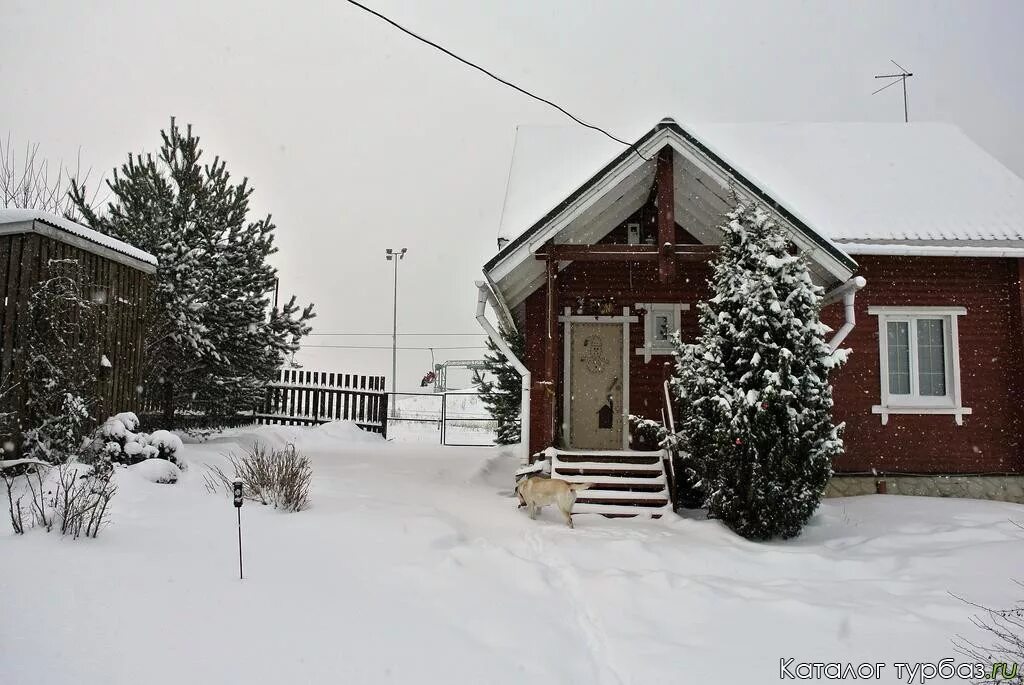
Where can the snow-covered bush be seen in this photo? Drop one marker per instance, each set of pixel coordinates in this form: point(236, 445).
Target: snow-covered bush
point(157, 471)
point(756, 412)
point(646, 434)
point(276, 477)
point(167, 445)
point(115, 440)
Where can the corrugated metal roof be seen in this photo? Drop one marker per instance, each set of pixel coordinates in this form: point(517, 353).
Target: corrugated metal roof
point(10, 216)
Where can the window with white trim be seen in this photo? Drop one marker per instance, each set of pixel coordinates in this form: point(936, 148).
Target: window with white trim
point(919, 361)
point(661, 322)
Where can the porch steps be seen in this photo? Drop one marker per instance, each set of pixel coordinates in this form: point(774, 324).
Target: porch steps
point(627, 483)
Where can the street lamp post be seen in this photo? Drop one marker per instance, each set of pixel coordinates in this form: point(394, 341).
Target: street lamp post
point(395, 256)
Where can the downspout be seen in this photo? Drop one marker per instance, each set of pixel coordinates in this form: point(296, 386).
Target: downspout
point(485, 295)
point(848, 292)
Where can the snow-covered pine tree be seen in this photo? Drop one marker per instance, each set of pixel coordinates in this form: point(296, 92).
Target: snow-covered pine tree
point(503, 395)
point(62, 357)
point(214, 337)
point(757, 406)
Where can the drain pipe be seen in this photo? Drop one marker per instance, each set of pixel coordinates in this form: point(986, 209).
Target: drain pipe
point(484, 295)
point(847, 291)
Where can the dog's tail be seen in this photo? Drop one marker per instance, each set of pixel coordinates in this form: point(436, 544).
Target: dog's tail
point(580, 486)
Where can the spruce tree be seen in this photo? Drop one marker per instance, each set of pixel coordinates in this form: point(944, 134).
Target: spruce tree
point(503, 395)
point(756, 413)
point(214, 338)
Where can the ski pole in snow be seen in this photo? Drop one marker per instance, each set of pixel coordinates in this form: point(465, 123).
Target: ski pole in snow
point(236, 488)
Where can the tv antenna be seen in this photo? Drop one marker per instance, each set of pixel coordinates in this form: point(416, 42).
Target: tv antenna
point(897, 78)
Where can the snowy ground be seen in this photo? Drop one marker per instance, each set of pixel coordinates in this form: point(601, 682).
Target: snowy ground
point(414, 566)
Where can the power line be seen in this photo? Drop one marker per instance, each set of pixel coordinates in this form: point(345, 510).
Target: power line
point(388, 347)
point(496, 77)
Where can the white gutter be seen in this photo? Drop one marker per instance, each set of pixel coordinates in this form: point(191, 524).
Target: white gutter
point(898, 249)
point(848, 292)
point(485, 295)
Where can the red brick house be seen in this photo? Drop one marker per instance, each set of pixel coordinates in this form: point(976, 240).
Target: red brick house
point(916, 234)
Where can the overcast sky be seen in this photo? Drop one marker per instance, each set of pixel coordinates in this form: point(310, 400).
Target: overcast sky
point(358, 138)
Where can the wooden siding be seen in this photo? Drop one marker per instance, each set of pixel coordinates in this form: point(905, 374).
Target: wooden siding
point(990, 370)
point(618, 284)
point(25, 261)
point(991, 357)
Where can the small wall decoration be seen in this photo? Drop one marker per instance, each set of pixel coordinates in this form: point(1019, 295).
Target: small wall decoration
point(593, 358)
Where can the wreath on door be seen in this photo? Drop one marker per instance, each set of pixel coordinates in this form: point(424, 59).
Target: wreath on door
point(593, 357)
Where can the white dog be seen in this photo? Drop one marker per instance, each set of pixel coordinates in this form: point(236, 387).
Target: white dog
point(536, 492)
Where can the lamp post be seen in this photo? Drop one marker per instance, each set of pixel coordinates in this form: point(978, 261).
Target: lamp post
point(395, 256)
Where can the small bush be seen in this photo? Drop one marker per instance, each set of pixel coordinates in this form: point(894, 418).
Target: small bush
point(116, 441)
point(276, 477)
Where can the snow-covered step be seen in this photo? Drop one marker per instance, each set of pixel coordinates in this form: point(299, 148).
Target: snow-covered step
point(634, 454)
point(592, 493)
point(610, 480)
point(627, 483)
point(619, 509)
point(608, 466)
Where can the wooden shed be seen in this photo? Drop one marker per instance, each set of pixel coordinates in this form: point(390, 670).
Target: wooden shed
point(118, 276)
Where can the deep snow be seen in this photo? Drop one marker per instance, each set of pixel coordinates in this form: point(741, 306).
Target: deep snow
point(414, 565)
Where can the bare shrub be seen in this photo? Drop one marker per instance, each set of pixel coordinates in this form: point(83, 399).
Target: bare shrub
point(72, 498)
point(28, 181)
point(1004, 656)
point(276, 477)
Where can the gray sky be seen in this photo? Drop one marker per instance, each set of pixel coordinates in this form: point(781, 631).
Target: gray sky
point(358, 138)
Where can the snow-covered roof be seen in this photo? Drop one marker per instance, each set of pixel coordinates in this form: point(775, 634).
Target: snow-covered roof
point(874, 181)
point(859, 182)
point(16, 216)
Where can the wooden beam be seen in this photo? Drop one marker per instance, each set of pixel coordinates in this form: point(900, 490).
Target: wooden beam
point(666, 216)
point(623, 253)
point(599, 253)
point(551, 347)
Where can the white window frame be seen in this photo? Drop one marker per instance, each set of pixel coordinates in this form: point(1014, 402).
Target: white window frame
point(652, 309)
point(914, 403)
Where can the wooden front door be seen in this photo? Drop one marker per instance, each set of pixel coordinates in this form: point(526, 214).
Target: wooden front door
point(595, 385)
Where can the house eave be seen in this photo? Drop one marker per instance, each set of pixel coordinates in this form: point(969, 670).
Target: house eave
point(950, 249)
point(832, 258)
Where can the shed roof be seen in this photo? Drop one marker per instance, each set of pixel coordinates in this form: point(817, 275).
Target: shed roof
point(8, 217)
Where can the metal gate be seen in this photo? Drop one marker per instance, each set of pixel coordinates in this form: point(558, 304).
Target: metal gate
point(454, 419)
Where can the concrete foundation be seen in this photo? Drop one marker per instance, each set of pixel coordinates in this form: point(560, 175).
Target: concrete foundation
point(1002, 488)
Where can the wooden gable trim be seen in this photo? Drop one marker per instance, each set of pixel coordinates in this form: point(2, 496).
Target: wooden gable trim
point(669, 133)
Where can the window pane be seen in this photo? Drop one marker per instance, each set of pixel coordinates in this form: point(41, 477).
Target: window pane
point(662, 327)
point(898, 340)
point(931, 353)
